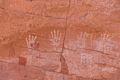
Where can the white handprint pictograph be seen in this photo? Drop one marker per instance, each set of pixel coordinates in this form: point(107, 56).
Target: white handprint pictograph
point(109, 44)
point(105, 44)
point(55, 38)
point(81, 40)
point(32, 45)
point(32, 42)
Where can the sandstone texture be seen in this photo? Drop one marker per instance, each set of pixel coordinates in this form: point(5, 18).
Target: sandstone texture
point(59, 39)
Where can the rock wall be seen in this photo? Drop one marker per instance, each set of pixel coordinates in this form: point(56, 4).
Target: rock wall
point(59, 39)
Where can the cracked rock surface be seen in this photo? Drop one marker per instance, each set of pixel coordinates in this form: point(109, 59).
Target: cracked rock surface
point(59, 39)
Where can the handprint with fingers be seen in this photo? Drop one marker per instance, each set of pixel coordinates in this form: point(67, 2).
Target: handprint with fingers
point(105, 37)
point(32, 42)
point(55, 38)
point(81, 39)
point(107, 45)
point(104, 42)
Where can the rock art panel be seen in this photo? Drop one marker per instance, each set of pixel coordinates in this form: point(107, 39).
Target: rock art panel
point(59, 39)
point(51, 35)
point(87, 64)
point(34, 57)
point(87, 38)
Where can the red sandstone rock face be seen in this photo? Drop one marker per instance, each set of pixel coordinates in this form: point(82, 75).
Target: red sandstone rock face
point(59, 39)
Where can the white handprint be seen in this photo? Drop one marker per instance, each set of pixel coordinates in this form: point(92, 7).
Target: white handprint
point(32, 42)
point(108, 45)
point(55, 38)
point(81, 40)
point(106, 36)
point(104, 42)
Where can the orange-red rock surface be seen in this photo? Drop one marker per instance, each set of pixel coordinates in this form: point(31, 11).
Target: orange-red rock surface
point(59, 39)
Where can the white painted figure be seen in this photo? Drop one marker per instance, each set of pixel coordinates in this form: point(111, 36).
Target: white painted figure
point(32, 45)
point(32, 42)
point(55, 38)
point(81, 40)
point(105, 43)
point(86, 59)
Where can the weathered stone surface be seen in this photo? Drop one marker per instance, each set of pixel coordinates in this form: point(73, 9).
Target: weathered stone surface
point(35, 7)
point(59, 39)
point(90, 64)
point(15, 71)
point(59, 76)
point(49, 61)
point(57, 8)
